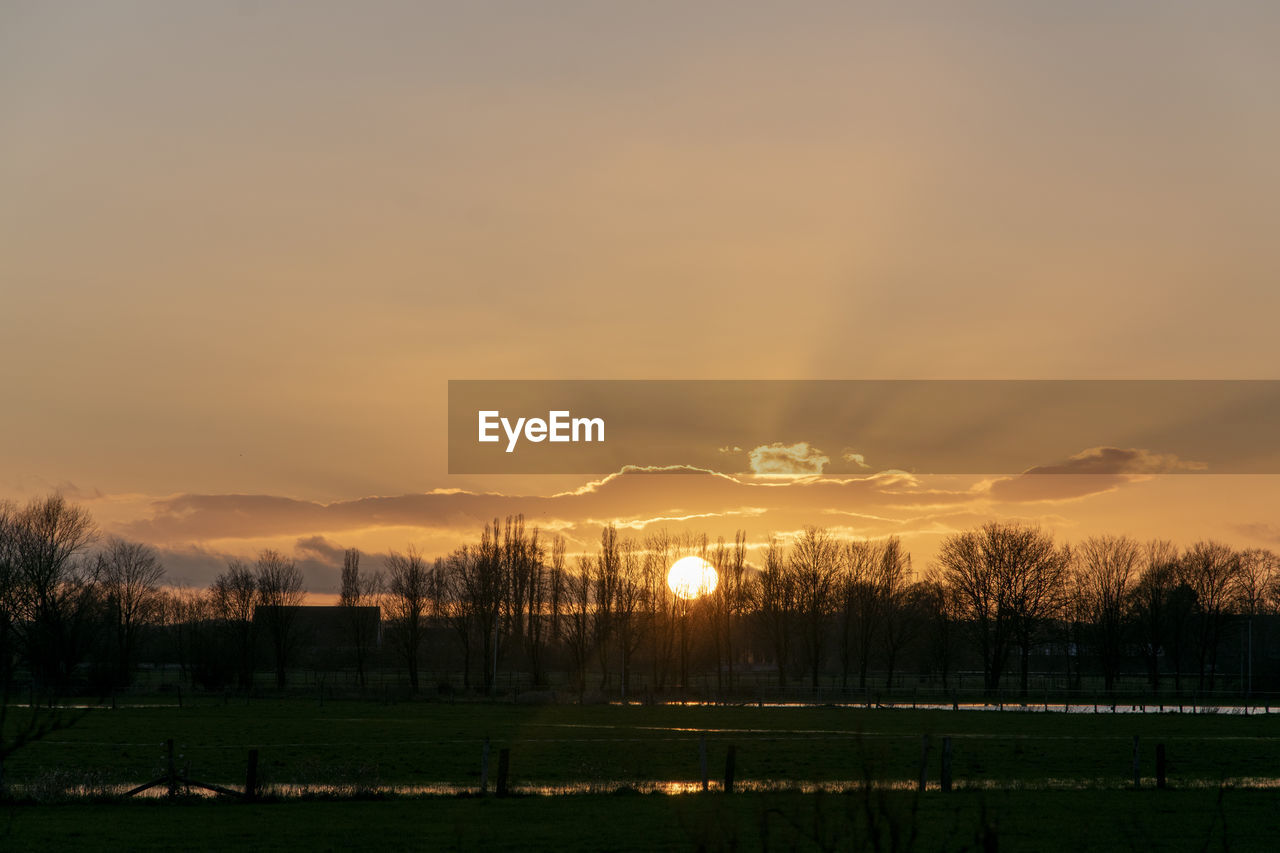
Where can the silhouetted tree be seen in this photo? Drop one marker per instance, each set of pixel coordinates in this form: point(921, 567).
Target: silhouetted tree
point(815, 562)
point(1211, 570)
point(776, 597)
point(900, 608)
point(129, 574)
point(577, 619)
point(234, 598)
point(1105, 574)
point(659, 606)
point(407, 600)
point(1008, 579)
point(280, 594)
point(628, 602)
point(859, 588)
point(58, 602)
point(360, 596)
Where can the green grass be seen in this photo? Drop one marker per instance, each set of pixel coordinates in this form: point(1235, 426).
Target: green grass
point(1021, 820)
point(1038, 781)
point(430, 742)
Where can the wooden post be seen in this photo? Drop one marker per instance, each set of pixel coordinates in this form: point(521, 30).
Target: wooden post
point(924, 764)
point(946, 764)
point(484, 767)
point(504, 766)
point(729, 761)
point(1160, 766)
point(702, 762)
point(251, 777)
point(1137, 777)
point(171, 772)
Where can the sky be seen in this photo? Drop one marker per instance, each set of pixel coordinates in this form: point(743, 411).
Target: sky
point(244, 246)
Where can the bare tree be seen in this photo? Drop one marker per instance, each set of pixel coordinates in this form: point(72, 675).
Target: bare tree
point(56, 594)
point(660, 625)
point(537, 593)
point(10, 590)
point(729, 600)
point(815, 562)
point(578, 619)
point(607, 567)
point(1154, 608)
point(1258, 582)
point(628, 601)
point(408, 597)
point(1105, 574)
point(859, 590)
point(1008, 579)
point(940, 616)
point(360, 598)
point(486, 589)
point(280, 594)
point(556, 590)
point(48, 606)
point(900, 611)
point(129, 574)
point(1211, 570)
point(234, 597)
point(776, 597)
point(1036, 571)
point(188, 615)
point(1255, 594)
point(458, 604)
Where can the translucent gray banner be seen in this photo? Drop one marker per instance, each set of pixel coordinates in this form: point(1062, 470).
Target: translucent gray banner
point(859, 426)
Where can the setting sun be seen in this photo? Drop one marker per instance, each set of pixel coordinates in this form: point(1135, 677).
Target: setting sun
point(691, 577)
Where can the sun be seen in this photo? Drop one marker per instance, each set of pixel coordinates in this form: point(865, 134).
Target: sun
point(691, 577)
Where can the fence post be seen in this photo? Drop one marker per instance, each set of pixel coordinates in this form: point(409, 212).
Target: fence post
point(729, 761)
point(924, 765)
point(702, 761)
point(946, 764)
point(251, 777)
point(171, 772)
point(484, 767)
point(1160, 766)
point(504, 766)
point(1137, 777)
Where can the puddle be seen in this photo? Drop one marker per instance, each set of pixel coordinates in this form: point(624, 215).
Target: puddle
point(1023, 707)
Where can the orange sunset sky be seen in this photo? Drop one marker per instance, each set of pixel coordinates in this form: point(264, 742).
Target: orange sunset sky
point(244, 246)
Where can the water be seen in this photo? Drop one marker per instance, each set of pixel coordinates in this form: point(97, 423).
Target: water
point(684, 787)
point(1027, 707)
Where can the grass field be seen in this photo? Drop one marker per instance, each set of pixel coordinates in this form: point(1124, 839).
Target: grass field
point(1237, 820)
point(1044, 781)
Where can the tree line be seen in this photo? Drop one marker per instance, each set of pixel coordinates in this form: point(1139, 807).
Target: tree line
point(79, 611)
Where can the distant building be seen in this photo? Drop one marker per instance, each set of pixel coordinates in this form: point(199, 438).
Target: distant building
point(325, 627)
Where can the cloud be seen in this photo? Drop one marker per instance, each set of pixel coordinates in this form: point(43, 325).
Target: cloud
point(197, 533)
point(787, 460)
point(630, 495)
point(1116, 460)
point(1089, 472)
point(319, 559)
point(856, 458)
point(320, 548)
point(1264, 531)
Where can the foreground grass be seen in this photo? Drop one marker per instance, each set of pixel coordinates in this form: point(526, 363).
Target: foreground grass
point(1239, 820)
point(368, 744)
